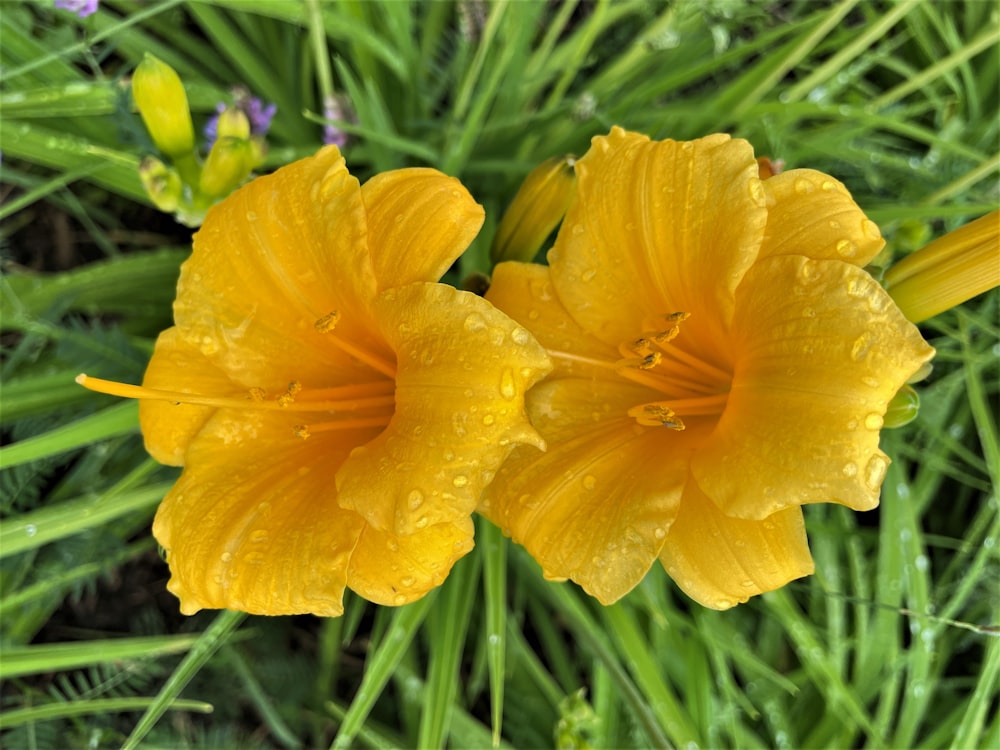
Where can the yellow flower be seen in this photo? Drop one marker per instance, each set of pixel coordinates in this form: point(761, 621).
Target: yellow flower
point(721, 359)
point(337, 413)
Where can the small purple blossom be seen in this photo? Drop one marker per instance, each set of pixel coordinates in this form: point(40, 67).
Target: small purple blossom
point(332, 135)
point(82, 8)
point(258, 115)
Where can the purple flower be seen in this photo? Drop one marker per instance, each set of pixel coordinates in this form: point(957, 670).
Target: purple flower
point(332, 135)
point(82, 8)
point(257, 114)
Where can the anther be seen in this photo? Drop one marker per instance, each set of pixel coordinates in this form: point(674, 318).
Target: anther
point(289, 396)
point(648, 362)
point(328, 322)
point(301, 431)
point(257, 394)
point(656, 415)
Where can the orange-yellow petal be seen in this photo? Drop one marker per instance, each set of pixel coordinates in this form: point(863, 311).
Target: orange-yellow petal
point(820, 349)
point(390, 569)
point(462, 370)
point(275, 257)
point(658, 227)
point(721, 561)
point(167, 427)
point(419, 222)
point(596, 506)
point(810, 213)
point(253, 523)
point(524, 291)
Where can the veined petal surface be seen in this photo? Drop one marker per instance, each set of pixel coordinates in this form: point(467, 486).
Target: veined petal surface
point(720, 561)
point(419, 222)
point(168, 427)
point(462, 370)
point(253, 523)
point(810, 213)
point(821, 349)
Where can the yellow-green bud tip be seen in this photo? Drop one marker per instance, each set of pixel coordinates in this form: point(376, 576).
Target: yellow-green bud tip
point(161, 101)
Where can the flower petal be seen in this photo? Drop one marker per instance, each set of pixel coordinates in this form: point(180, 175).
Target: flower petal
point(821, 350)
point(278, 255)
point(721, 561)
point(168, 428)
point(462, 370)
point(253, 523)
point(652, 231)
point(396, 570)
point(419, 222)
point(524, 291)
point(813, 214)
point(596, 506)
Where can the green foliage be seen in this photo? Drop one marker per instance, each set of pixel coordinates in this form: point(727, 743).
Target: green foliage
point(893, 643)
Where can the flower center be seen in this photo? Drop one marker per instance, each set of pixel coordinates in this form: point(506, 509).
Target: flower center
point(359, 405)
point(693, 386)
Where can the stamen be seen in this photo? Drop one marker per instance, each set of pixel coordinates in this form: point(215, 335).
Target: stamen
point(354, 397)
point(286, 398)
point(305, 431)
point(256, 394)
point(656, 414)
point(301, 431)
point(643, 363)
point(328, 322)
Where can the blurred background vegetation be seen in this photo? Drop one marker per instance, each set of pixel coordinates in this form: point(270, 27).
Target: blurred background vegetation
point(894, 641)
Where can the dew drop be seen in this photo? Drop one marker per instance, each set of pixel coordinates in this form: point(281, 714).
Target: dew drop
point(589, 482)
point(874, 421)
point(507, 387)
point(578, 229)
point(862, 345)
point(258, 536)
point(474, 322)
point(407, 581)
point(723, 603)
point(828, 186)
point(226, 557)
point(415, 499)
point(875, 471)
point(660, 533)
point(488, 419)
point(846, 249)
point(494, 639)
point(870, 381)
point(520, 336)
point(31, 529)
point(809, 271)
point(399, 600)
point(589, 274)
point(421, 522)
point(850, 469)
point(460, 480)
point(803, 186)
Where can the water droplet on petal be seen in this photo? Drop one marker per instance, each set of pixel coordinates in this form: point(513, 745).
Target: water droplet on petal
point(874, 421)
point(399, 600)
point(474, 322)
point(226, 557)
point(520, 336)
point(415, 499)
point(660, 533)
point(588, 274)
point(850, 469)
point(258, 536)
point(846, 249)
point(507, 388)
point(460, 480)
point(862, 345)
point(407, 581)
point(875, 471)
point(803, 186)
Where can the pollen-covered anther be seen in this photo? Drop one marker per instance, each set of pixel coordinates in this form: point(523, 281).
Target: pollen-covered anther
point(288, 396)
point(301, 431)
point(647, 362)
point(656, 414)
point(257, 394)
point(328, 322)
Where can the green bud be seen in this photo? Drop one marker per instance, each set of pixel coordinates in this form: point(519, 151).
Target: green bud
point(903, 407)
point(162, 184)
point(159, 96)
point(227, 166)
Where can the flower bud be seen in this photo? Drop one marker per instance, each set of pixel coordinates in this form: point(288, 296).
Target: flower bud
point(539, 206)
point(228, 164)
point(232, 123)
point(159, 96)
point(903, 407)
point(947, 272)
point(162, 184)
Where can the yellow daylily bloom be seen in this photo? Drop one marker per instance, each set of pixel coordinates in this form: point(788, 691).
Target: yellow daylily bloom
point(337, 412)
point(721, 358)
